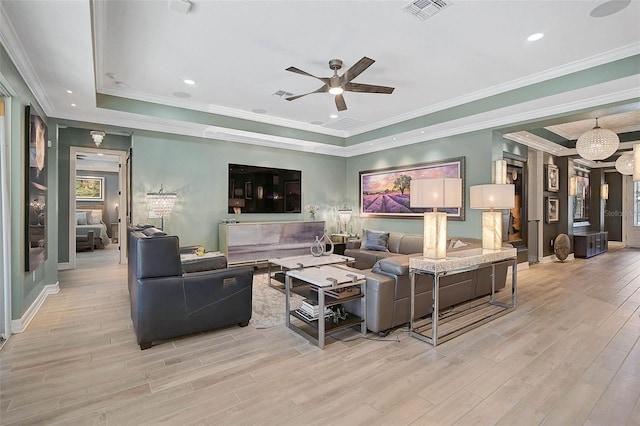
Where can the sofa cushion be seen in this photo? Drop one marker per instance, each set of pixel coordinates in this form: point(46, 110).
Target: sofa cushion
point(396, 265)
point(411, 243)
point(375, 240)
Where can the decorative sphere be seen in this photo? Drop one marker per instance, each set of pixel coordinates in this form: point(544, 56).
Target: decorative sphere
point(597, 144)
point(624, 163)
point(562, 247)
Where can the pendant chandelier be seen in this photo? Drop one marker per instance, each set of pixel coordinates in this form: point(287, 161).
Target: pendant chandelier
point(624, 163)
point(597, 143)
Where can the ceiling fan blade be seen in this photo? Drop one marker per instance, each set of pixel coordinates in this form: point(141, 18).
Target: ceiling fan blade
point(356, 69)
point(323, 89)
point(299, 71)
point(367, 88)
point(340, 103)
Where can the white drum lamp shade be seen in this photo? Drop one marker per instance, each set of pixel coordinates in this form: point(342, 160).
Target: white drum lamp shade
point(492, 196)
point(435, 193)
point(597, 143)
point(636, 163)
point(624, 163)
point(604, 191)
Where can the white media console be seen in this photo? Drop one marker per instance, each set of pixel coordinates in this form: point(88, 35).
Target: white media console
point(256, 242)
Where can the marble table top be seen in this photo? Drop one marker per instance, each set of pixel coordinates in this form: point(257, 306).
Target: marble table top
point(461, 259)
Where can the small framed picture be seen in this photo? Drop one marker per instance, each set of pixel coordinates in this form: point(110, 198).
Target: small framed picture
point(553, 178)
point(553, 209)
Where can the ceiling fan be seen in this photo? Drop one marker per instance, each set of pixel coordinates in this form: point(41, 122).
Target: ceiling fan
point(336, 85)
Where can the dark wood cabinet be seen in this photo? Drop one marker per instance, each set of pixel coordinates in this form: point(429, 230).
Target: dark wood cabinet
point(590, 244)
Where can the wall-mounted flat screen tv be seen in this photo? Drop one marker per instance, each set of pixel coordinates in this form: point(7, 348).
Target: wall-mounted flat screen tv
point(259, 189)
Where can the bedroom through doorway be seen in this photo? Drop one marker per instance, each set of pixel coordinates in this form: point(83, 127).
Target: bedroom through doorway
point(97, 196)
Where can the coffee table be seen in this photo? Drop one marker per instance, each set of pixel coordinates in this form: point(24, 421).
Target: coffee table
point(328, 281)
point(306, 261)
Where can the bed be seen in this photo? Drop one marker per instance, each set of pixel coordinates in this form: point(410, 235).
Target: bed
point(89, 218)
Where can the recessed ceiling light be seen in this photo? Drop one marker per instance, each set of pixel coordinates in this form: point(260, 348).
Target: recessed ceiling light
point(183, 95)
point(333, 116)
point(70, 92)
point(101, 154)
point(422, 132)
point(535, 37)
point(73, 105)
point(189, 82)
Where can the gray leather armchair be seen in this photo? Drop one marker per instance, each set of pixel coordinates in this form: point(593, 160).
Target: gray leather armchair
point(165, 303)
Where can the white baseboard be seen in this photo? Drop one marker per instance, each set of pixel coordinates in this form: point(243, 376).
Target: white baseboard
point(20, 325)
point(63, 266)
point(618, 244)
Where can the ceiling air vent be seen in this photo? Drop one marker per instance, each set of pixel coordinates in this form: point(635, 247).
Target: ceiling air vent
point(424, 9)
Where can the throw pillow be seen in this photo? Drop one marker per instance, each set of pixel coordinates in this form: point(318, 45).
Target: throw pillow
point(459, 244)
point(95, 219)
point(375, 240)
point(81, 218)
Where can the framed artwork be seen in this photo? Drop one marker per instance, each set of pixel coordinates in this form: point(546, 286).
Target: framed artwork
point(553, 209)
point(386, 192)
point(36, 191)
point(248, 190)
point(89, 188)
point(553, 178)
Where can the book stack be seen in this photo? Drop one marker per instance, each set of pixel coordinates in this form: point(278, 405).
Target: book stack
point(341, 293)
point(310, 310)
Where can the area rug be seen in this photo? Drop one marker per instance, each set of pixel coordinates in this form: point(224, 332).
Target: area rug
point(268, 304)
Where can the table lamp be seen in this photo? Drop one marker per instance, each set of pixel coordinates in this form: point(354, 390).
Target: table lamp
point(435, 193)
point(492, 196)
point(161, 203)
point(344, 214)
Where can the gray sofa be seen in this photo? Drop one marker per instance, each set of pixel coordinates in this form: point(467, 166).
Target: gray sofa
point(388, 281)
point(167, 303)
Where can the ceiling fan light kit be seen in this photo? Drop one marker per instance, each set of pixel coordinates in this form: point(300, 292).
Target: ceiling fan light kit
point(597, 143)
point(336, 84)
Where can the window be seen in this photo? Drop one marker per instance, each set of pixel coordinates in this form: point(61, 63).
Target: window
point(636, 203)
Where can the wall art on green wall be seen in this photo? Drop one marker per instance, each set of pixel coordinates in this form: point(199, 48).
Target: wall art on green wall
point(89, 188)
point(385, 192)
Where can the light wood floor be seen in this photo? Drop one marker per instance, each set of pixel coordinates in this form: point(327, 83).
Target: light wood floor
point(569, 354)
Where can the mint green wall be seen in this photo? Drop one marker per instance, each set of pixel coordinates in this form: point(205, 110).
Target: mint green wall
point(196, 169)
point(79, 137)
point(477, 149)
point(25, 287)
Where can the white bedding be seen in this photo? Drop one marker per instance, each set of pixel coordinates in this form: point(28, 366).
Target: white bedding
point(99, 233)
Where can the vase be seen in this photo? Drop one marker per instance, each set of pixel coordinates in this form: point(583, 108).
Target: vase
point(312, 217)
point(317, 248)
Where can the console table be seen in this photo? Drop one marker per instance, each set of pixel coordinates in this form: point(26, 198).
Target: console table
point(590, 244)
point(257, 242)
point(462, 261)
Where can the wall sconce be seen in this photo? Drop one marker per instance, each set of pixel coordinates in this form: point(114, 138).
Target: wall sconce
point(636, 163)
point(604, 191)
point(435, 193)
point(573, 186)
point(344, 214)
point(97, 136)
point(492, 197)
point(237, 204)
point(161, 203)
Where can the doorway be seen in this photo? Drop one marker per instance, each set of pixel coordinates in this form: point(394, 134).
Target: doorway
point(97, 195)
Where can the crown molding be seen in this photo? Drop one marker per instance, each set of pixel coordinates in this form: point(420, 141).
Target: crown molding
point(15, 50)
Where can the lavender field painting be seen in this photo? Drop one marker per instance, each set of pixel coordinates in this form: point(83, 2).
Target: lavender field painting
point(385, 192)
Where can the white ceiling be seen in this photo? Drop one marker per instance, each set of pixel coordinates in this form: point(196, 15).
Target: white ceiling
point(238, 51)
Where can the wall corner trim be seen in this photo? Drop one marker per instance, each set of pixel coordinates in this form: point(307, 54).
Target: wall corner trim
point(20, 325)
